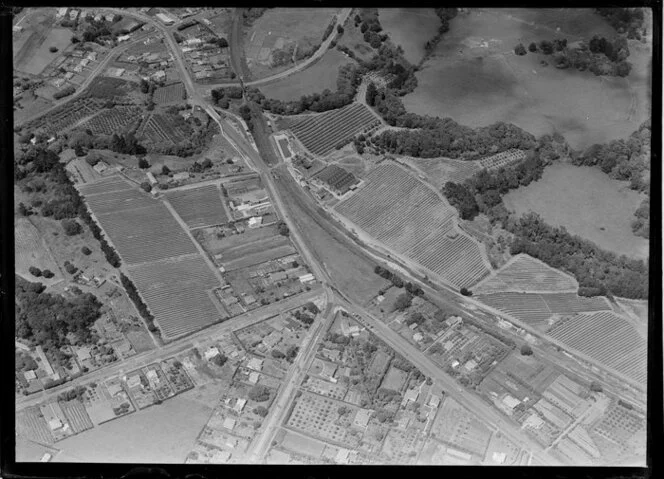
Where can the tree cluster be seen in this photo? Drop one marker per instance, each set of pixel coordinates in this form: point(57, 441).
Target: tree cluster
point(132, 292)
point(259, 393)
point(66, 91)
point(47, 319)
point(127, 144)
point(625, 20)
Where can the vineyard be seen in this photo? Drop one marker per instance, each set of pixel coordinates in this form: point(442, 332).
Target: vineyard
point(170, 93)
point(113, 120)
point(399, 211)
point(337, 178)
point(175, 291)
point(322, 133)
point(141, 229)
point(158, 130)
point(527, 274)
point(607, 338)
point(65, 116)
point(504, 158)
point(535, 309)
point(199, 207)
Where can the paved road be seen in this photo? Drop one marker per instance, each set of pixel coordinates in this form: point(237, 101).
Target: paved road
point(177, 346)
point(295, 376)
point(238, 60)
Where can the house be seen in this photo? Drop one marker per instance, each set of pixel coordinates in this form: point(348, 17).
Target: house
point(21, 346)
point(470, 365)
point(114, 389)
point(410, 395)
point(151, 178)
point(181, 176)
point(17, 29)
point(510, 401)
point(58, 82)
point(453, 321)
point(61, 13)
point(165, 19)
point(362, 418)
point(123, 38)
point(255, 221)
point(98, 17)
point(279, 275)
point(499, 457)
point(54, 424)
point(255, 363)
point(159, 75)
point(100, 167)
point(111, 17)
point(342, 456)
point(272, 339)
point(307, 278)
point(434, 401)
point(253, 377)
point(418, 337)
point(210, 353)
point(30, 375)
point(229, 423)
point(239, 405)
point(132, 382)
point(152, 376)
point(73, 14)
point(83, 353)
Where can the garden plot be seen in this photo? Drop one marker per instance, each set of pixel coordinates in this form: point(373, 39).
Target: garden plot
point(172, 93)
point(113, 120)
point(177, 293)
point(199, 207)
point(319, 416)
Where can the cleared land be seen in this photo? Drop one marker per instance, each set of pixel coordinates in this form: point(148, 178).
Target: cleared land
point(314, 79)
point(322, 133)
point(410, 28)
point(141, 228)
point(608, 211)
point(608, 338)
point(535, 309)
point(176, 293)
point(399, 211)
point(439, 171)
point(31, 251)
point(199, 207)
point(475, 78)
point(525, 273)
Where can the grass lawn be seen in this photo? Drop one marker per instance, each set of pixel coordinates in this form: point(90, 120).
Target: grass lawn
point(411, 28)
point(475, 78)
point(314, 79)
point(584, 200)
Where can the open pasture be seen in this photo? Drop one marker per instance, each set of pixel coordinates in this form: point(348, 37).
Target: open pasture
point(315, 78)
point(175, 291)
point(410, 28)
point(324, 132)
point(439, 171)
point(141, 229)
point(535, 309)
point(475, 78)
point(607, 338)
point(113, 120)
point(31, 251)
point(401, 212)
point(199, 207)
point(606, 212)
point(527, 274)
point(172, 93)
point(35, 56)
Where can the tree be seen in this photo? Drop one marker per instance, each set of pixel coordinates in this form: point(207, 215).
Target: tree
point(92, 159)
point(143, 163)
point(78, 150)
point(34, 271)
point(275, 353)
point(222, 43)
point(165, 170)
point(47, 273)
point(75, 40)
point(144, 85)
point(220, 359)
point(259, 393)
point(526, 350)
point(71, 227)
point(596, 387)
point(466, 292)
point(340, 29)
point(53, 49)
point(86, 251)
point(372, 91)
point(532, 47)
point(312, 308)
point(520, 49)
point(291, 352)
point(283, 228)
point(146, 186)
point(403, 301)
point(261, 411)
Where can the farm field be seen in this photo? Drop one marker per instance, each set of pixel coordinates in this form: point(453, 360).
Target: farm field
point(527, 274)
point(608, 338)
point(439, 171)
point(609, 206)
point(475, 78)
point(31, 251)
point(199, 207)
point(65, 116)
point(399, 211)
point(535, 309)
point(410, 28)
point(322, 133)
point(142, 229)
point(313, 79)
point(37, 55)
point(280, 29)
point(158, 434)
point(175, 291)
point(113, 120)
point(172, 93)
point(502, 159)
point(457, 427)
